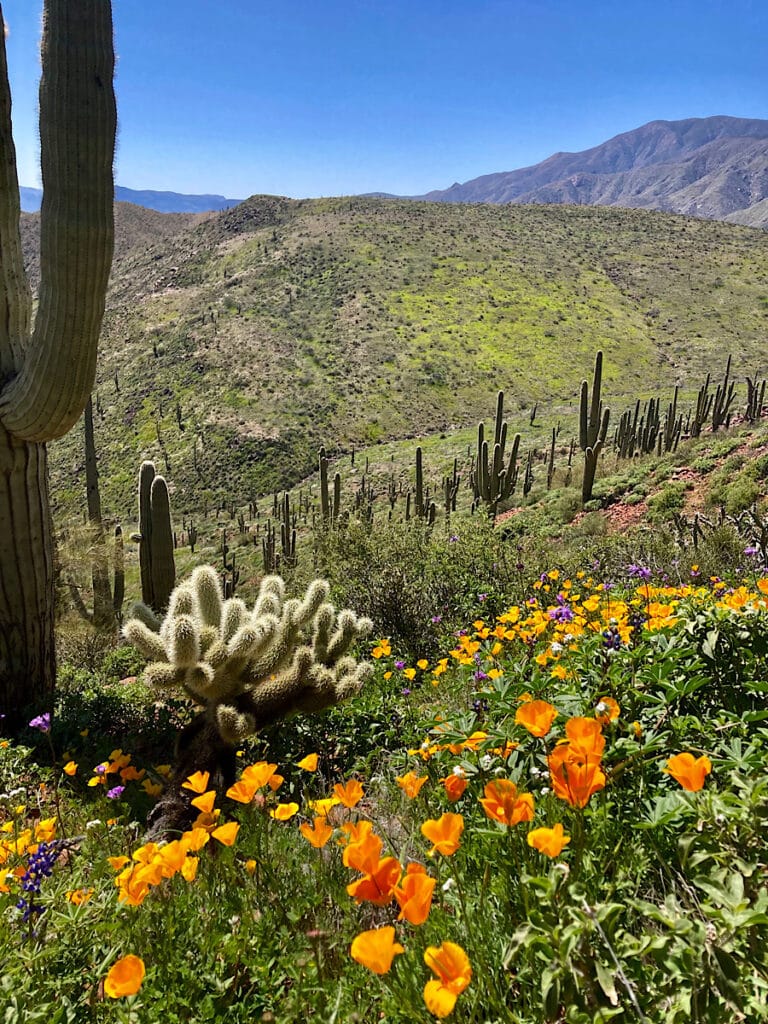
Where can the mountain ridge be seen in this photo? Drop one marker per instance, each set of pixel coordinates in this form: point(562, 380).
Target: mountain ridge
point(150, 199)
point(714, 167)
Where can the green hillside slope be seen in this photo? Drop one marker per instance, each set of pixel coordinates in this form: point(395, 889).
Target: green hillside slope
point(233, 348)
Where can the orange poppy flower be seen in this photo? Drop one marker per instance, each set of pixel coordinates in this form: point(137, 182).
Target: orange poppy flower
point(197, 782)
point(284, 812)
point(308, 763)
point(503, 803)
point(226, 834)
point(243, 791)
point(575, 778)
point(536, 716)
point(607, 710)
point(363, 854)
point(205, 801)
point(689, 771)
point(125, 977)
point(454, 786)
point(259, 773)
point(70, 768)
point(444, 832)
point(451, 965)
point(549, 841)
point(318, 833)
point(376, 949)
point(411, 784)
point(585, 737)
point(350, 794)
point(189, 869)
point(377, 887)
point(414, 896)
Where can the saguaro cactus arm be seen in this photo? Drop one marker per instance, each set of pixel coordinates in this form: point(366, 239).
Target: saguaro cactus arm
point(46, 381)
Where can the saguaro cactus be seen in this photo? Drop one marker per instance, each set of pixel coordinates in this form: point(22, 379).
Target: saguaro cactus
point(155, 536)
point(593, 426)
point(47, 369)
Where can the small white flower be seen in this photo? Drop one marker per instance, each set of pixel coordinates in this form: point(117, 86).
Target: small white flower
point(545, 790)
point(486, 761)
point(459, 771)
point(555, 647)
point(568, 638)
point(448, 884)
point(95, 823)
point(601, 707)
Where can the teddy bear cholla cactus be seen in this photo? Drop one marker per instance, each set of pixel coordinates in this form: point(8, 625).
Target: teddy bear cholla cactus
point(250, 668)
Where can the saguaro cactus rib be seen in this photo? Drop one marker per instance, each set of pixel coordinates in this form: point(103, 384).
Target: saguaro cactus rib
point(78, 121)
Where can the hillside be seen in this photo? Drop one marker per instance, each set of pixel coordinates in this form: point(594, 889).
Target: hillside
point(242, 343)
point(715, 167)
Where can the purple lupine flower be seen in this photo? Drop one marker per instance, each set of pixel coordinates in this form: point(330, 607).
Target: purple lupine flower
point(116, 792)
point(41, 722)
point(751, 550)
point(640, 572)
point(561, 614)
point(39, 866)
point(405, 691)
point(436, 619)
point(482, 597)
point(480, 676)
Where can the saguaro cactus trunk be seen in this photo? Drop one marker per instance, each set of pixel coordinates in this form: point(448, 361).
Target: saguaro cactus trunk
point(47, 369)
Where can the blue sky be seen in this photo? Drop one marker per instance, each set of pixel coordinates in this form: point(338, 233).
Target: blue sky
point(310, 98)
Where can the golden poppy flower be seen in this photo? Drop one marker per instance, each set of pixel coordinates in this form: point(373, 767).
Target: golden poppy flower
point(226, 834)
point(78, 896)
point(378, 885)
point(454, 785)
point(117, 863)
point(124, 977)
point(607, 710)
point(308, 763)
point(503, 803)
point(259, 773)
point(689, 771)
point(189, 869)
point(250, 866)
point(244, 790)
point(575, 778)
point(444, 833)
point(350, 794)
point(69, 768)
point(318, 833)
point(363, 854)
point(195, 839)
point(549, 841)
point(536, 716)
point(284, 812)
point(451, 965)
point(376, 949)
point(197, 782)
point(414, 896)
point(205, 801)
point(322, 807)
point(410, 783)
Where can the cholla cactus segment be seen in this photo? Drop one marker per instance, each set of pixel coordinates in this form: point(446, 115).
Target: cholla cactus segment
point(248, 669)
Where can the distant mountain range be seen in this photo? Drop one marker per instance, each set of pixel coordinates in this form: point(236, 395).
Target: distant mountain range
point(713, 167)
point(163, 202)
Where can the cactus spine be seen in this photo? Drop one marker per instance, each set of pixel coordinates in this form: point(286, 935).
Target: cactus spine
point(47, 369)
point(593, 427)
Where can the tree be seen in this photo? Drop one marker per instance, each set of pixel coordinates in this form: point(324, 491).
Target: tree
point(47, 368)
